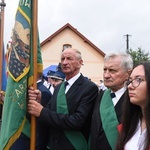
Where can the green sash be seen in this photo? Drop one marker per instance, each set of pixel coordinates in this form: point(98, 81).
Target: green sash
point(109, 119)
point(76, 138)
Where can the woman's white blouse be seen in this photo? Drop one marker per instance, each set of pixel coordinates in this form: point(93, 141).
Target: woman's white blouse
point(137, 141)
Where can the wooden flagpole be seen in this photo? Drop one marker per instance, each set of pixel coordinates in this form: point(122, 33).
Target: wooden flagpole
point(2, 5)
point(34, 49)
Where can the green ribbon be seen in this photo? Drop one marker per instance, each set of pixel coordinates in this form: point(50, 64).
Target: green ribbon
point(109, 119)
point(76, 138)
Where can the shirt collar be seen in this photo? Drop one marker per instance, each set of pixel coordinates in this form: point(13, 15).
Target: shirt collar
point(39, 81)
point(118, 94)
point(73, 79)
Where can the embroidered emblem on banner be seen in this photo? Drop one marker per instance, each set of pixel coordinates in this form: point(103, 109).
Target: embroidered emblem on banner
point(18, 63)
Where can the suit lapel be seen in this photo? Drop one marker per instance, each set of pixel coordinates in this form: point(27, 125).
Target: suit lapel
point(118, 107)
point(74, 87)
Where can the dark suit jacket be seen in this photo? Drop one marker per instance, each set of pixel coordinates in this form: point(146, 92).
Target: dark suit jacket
point(80, 100)
point(46, 94)
point(42, 134)
point(98, 138)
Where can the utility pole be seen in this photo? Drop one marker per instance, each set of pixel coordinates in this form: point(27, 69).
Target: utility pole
point(127, 42)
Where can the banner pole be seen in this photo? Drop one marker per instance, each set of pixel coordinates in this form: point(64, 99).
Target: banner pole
point(34, 49)
point(2, 5)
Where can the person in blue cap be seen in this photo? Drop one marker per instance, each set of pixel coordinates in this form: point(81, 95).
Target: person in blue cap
point(49, 81)
point(57, 77)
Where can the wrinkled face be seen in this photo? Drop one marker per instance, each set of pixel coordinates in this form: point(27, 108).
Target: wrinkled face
point(114, 75)
point(138, 87)
point(70, 63)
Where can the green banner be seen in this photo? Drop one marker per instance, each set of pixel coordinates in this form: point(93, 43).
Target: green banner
point(20, 69)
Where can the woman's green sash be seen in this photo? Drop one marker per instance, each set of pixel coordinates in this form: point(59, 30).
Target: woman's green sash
point(76, 138)
point(109, 119)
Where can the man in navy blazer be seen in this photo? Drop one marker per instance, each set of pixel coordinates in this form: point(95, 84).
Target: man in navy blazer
point(46, 94)
point(69, 112)
point(42, 135)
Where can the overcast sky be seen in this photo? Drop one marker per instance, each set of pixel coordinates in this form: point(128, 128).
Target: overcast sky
point(103, 22)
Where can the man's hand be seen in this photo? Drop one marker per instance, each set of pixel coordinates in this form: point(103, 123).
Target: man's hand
point(34, 106)
point(34, 94)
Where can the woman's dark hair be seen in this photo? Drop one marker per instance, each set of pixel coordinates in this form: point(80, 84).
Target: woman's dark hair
point(132, 113)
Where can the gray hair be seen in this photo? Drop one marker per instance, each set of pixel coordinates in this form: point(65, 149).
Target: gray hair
point(78, 53)
point(126, 59)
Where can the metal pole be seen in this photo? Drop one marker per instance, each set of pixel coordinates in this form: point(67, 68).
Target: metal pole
point(127, 42)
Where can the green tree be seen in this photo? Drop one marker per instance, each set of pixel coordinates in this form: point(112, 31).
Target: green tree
point(138, 55)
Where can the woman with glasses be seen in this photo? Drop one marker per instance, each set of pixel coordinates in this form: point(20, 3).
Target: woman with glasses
point(135, 129)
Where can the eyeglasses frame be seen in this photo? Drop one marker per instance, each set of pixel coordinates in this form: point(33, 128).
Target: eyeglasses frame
point(138, 79)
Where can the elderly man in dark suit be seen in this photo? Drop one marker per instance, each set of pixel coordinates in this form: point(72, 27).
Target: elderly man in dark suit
point(68, 114)
point(108, 108)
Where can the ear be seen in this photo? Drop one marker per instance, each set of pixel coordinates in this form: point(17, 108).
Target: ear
point(80, 63)
point(128, 73)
